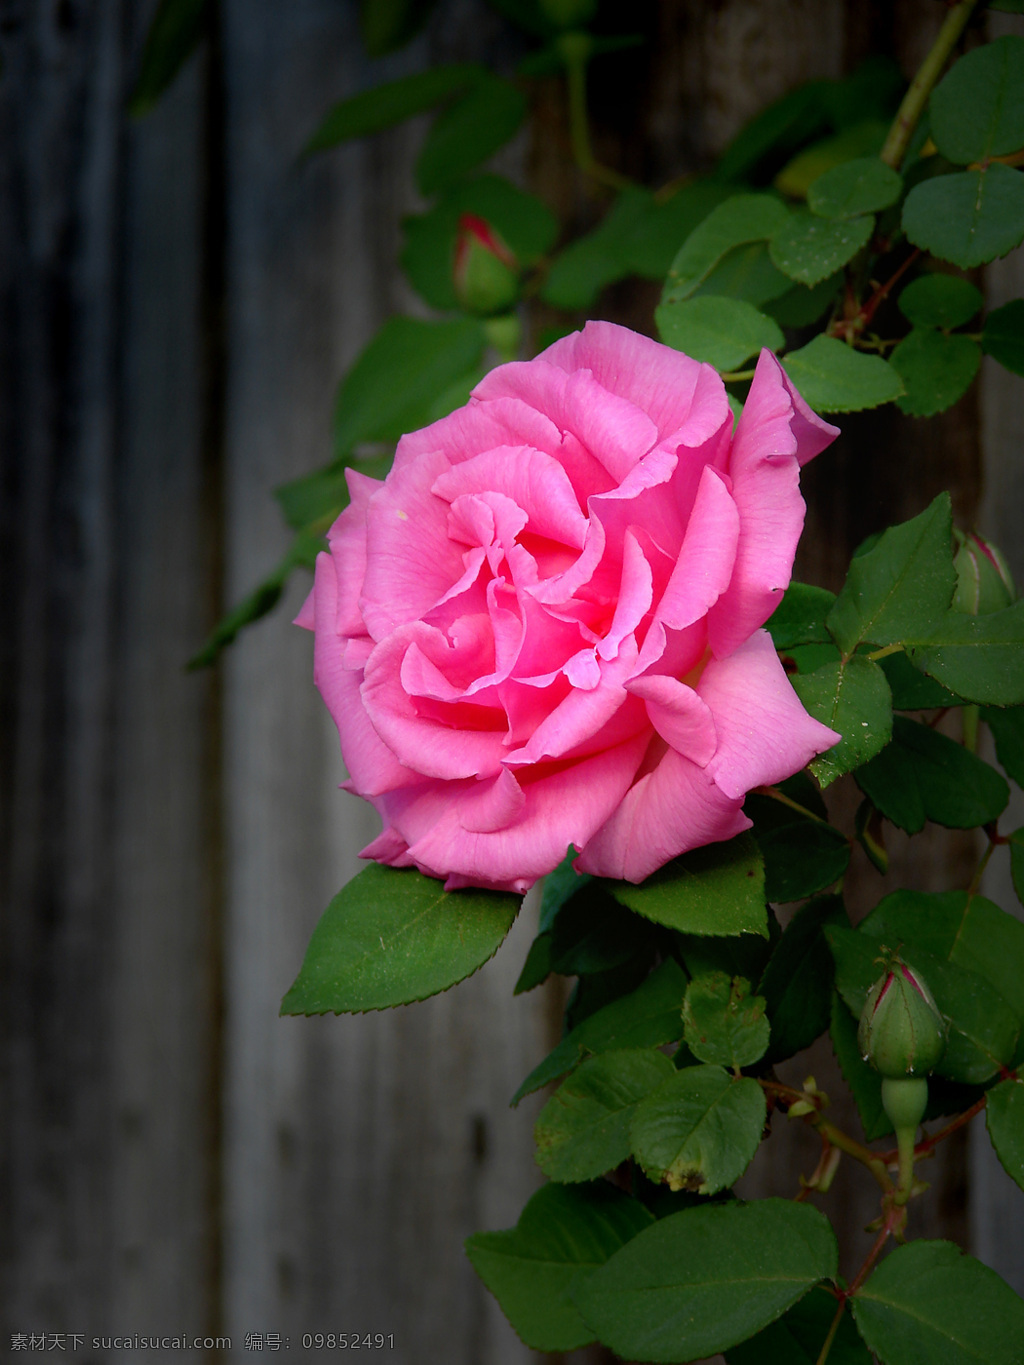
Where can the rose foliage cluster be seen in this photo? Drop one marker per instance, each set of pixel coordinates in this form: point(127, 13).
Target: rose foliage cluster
point(560, 640)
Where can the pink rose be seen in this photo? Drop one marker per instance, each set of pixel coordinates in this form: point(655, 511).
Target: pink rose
point(543, 627)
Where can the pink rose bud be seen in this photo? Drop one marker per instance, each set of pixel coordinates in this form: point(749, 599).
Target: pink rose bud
point(984, 581)
point(546, 625)
point(901, 1031)
point(485, 272)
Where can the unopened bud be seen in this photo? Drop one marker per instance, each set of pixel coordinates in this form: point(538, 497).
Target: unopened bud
point(485, 272)
point(984, 581)
point(901, 1031)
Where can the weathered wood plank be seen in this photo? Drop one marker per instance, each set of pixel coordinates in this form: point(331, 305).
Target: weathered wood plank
point(360, 1151)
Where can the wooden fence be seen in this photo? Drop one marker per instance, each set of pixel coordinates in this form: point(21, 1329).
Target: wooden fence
point(178, 297)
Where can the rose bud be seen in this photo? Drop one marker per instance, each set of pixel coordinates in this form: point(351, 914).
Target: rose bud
point(984, 581)
point(485, 272)
point(901, 1031)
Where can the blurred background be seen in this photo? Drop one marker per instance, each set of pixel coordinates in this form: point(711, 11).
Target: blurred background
point(179, 296)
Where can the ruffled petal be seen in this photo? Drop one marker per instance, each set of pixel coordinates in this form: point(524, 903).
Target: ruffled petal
point(764, 733)
point(671, 809)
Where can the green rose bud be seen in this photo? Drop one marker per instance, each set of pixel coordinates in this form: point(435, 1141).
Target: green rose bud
point(485, 273)
point(901, 1031)
point(984, 581)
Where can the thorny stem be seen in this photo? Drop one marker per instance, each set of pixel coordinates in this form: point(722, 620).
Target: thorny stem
point(931, 68)
point(827, 1345)
point(829, 1132)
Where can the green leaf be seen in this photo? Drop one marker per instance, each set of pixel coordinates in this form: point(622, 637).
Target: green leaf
point(264, 597)
point(743, 218)
point(371, 111)
point(583, 1130)
point(977, 110)
point(969, 217)
point(852, 698)
point(799, 619)
point(559, 887)
point(913, 690)
point(1002, 336)
point(723, 332)
point(864, 1081)
point(927, 1301)
point(648, 1017)
point(1008, 732)
point(174, 34)
point(809, 249)
point(593, 932)
point(746, 273)
point(981, 658)
point(801, 856)
point(537, 967)
point(833, 377)
point(699, 1130)
point(797, 983)
point(649, 246)
point(863, 138)
point(800, 306)
point(903, 584)
point(718, 889)
point(390, 388)
point(940, 301)
point(746, 955)
point(469, 132)
point(923, 775)
point(392, 936)
point(723, 1023)
point(579, 273)
point(936, 370)
point(864, 185)
point(799, 1335)
point(1004, 1114)
point(524, 223)
point(562, 1236)
point(386, 25)
point(704, 1279)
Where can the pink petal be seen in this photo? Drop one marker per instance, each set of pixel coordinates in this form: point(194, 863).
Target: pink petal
point(468, 745)
point(372, 766)
point(580, 723)
point(613, 430)
point(764, 733)
point(680, 716)
point(561, 808)
point(534, 481)
point(669, 810)
point(704, 567)
point(678, 394)
point(411, 561)
point(347, 540)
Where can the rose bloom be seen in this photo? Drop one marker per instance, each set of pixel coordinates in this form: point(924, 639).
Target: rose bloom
point(543, 628)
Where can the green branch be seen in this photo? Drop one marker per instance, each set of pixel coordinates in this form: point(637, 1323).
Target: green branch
point(921, 86)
